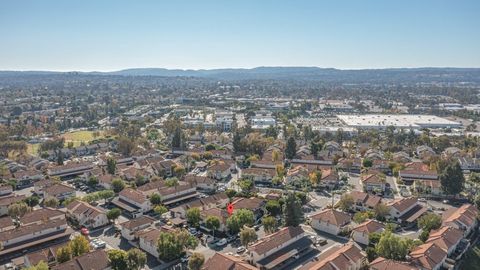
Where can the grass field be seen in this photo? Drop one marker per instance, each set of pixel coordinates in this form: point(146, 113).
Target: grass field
point(77, 137)
point(471, 260)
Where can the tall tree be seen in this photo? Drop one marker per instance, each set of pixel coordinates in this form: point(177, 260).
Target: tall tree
point(212, 223)
point(171, 245)
point(111, 165)
point(291, 149)
point(118, 185)
point(451, 178)
point(193, 216)
point(247, 236)
point(292, 210)
point(240, 218)
point(79, 245)
point(113, 214)
point(118, 259)
point(51, 202)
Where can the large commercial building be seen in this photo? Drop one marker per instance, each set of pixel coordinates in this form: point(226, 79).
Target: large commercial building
point(407, 121)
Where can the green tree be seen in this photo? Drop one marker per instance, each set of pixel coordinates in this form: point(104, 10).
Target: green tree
point(118, 259)
point(171, 182)
point(345, 202)
point(392, 247)
point(40, 266)
point(92, 181)
point(230, 193)
point(291, 149)
point(136, 259)
point(51, 202)
point(79, 245)
point(171, 245)
point(193, 216)
point(360, 217)
point(111, 166)
point(64, 254)
point(246, 185)
point(315, 177)
point(273, 207)
point(367, 163)
point(451, 178)
point(381, 211)
point(428, 222)
point(32, 201)
point(240, 218)
point(196, 261)
point(212, 223)
point(292, 210)
point(155, 199)
point(269, 224)
point(247, 236)
point(18, 210)
point(160, 209)
point(118, 185)
point(113, 214)
point(177, 138)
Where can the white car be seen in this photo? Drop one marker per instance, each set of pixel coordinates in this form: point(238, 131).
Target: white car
point(240, 249)
point(221, 242)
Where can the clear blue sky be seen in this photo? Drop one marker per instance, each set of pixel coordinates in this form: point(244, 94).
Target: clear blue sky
point(112, 34)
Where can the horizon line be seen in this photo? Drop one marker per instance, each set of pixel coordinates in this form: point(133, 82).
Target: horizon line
point(245, 68)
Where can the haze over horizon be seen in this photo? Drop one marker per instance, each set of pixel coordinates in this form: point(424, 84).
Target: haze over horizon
point(115, 35)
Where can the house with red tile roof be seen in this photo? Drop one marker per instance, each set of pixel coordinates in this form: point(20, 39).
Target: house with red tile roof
point(278, 247)
point(224, 261)
point(447, 238)
point(360, 233)
point(428, 256)
point(330, 221)
point(349, 256)
point(464, 218)
point(381, 263)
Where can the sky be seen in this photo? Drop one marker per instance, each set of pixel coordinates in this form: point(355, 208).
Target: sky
point(107, 35)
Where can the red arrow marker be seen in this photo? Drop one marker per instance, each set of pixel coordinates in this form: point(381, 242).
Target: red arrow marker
point(230, 208)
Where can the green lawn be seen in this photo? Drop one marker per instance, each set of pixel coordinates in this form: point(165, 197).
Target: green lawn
point(77, 137)
point(471, 260)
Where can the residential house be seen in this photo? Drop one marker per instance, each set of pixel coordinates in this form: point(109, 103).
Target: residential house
point(428, 256)
point(464, 218)
point(181, 192)
point(364, 201)
point(41, 215)
point(70, 170)
point(148, 240)
point(59, 191)
point(374, 182)
point(6, 201)
point(97, 259)
point(253, 204)
point(447, 238)
point(259, 175)
point(360, 233)
point(381, 263)
point(353, 165)
point(87, 215)
point(129, 228)
point(269, 252)
point(224, 261)
point(6, 224)
point(221, 214)
point(330, 221)
point(201, 182)
point(133, 202)
point(417, 171)
point(26, 178)
point(349, 256)
point(220, 171)
point(406, 210)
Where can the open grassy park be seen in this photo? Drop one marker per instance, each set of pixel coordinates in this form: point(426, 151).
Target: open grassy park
point(76, 137)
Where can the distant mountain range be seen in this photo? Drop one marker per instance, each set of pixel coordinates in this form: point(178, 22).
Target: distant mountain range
point(467, 75)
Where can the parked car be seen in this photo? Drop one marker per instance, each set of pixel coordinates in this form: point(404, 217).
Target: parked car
point(185, 258)
point(222, 242)
point(240, 249)
point(231, 239)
